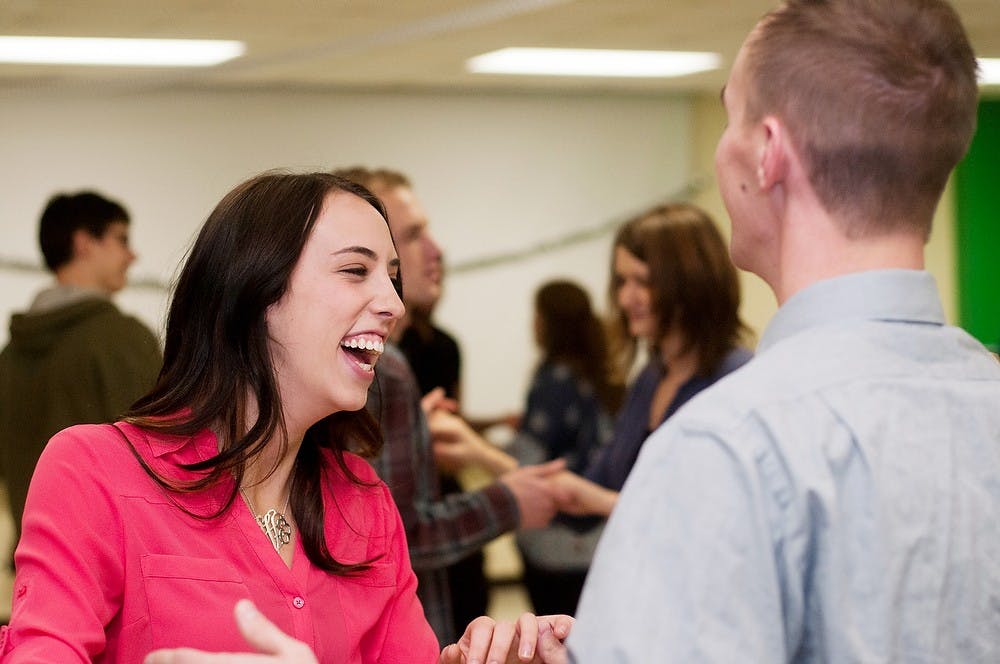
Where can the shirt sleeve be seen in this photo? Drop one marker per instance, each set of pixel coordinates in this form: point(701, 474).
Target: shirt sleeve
point(440, 531)
point(685, 570)
point(70, 572)
point(447, 530)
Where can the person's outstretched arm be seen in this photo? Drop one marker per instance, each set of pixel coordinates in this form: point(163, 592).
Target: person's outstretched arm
point(581, 497)
point(440, 530)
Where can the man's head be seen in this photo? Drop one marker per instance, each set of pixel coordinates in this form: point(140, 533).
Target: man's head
point(419, 254)
point(876, 97)
point(84, 240)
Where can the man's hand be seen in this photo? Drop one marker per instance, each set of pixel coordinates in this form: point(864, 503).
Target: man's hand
point(532, 639)
point(275, 646)
point(537, 498)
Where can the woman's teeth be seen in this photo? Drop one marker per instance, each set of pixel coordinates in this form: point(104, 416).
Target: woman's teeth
point(364, 351)
point(373, 345)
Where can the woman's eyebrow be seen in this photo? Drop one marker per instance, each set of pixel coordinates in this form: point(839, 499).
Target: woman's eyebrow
point(364, 251)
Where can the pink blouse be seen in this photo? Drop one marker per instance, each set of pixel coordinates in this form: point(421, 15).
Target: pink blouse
point(110, 568)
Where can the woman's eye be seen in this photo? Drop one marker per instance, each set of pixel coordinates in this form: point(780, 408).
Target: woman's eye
point(358, 271)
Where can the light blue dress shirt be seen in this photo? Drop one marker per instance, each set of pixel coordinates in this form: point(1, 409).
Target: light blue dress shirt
point(835, 500)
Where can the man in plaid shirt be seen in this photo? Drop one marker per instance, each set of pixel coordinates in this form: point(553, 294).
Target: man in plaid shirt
point(440, 530)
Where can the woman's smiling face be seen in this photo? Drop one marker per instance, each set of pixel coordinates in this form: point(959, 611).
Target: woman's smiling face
point(328, 329)
point(634, 295)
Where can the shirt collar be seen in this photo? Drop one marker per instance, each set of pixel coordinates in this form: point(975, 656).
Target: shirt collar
point(189, 449)
point(887, 295)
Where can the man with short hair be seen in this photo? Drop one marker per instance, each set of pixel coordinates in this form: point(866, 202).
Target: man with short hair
point(446, 530)
point(835, 500)
point(73, 357)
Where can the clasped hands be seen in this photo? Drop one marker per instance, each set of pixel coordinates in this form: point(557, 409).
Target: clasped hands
point(532, 639)
point(456, 445)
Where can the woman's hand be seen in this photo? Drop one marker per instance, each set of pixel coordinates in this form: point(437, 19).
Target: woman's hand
point(579, 496)
point(457, 445)
point(532, 639)
point(436, 399)
point(276, 646)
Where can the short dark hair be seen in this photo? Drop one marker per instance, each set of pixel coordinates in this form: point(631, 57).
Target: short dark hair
point(694, 284)
point(879, 97)
point(64, 214)
point(217, 359)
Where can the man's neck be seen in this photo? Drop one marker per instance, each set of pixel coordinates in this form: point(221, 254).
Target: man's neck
point(78, 277)
point(859, 258)
point(819, 250)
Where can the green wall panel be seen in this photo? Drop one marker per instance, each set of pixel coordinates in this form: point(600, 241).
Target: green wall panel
point(977, 205)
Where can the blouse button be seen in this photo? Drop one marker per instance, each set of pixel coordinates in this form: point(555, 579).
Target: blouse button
point(298, 602)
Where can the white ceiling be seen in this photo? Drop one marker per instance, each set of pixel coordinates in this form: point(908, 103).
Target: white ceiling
point(401, 44)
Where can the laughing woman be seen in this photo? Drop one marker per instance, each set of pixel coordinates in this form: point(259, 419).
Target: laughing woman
point(675, 294)
point(223, 483)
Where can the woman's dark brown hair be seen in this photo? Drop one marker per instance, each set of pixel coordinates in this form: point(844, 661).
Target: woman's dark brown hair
point(694, 284)
point(569, 332)
point(217, 365)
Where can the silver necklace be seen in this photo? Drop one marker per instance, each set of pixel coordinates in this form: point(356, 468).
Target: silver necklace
point(272, 522)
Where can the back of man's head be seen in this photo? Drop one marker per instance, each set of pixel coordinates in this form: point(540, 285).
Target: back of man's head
point(879, 98)
point(374, 179)
point(65, 214)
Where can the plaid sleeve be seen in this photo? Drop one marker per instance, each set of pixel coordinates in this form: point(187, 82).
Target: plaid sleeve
point(440, 531)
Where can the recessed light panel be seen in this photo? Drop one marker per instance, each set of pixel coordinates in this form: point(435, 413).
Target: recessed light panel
point(592, 62)
point(118, 52)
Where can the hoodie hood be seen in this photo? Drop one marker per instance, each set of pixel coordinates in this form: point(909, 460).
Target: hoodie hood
point(35, 333)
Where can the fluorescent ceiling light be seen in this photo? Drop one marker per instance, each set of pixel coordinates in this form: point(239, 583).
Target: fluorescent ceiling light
point(592, 62)
point(120, 52)
point(989, 71)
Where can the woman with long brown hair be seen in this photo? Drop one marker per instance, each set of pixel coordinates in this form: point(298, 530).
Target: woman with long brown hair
point(234, 477)
point(675, 296)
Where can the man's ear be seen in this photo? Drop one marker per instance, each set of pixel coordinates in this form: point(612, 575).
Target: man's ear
point(82, 243)
point(773, 162)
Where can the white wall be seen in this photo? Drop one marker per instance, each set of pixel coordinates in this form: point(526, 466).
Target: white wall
point(496, 173)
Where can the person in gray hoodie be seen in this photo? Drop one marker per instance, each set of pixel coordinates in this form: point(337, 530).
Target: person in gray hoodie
point(73, 356)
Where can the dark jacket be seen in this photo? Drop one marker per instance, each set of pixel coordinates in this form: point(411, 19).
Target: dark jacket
point(84, 362)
